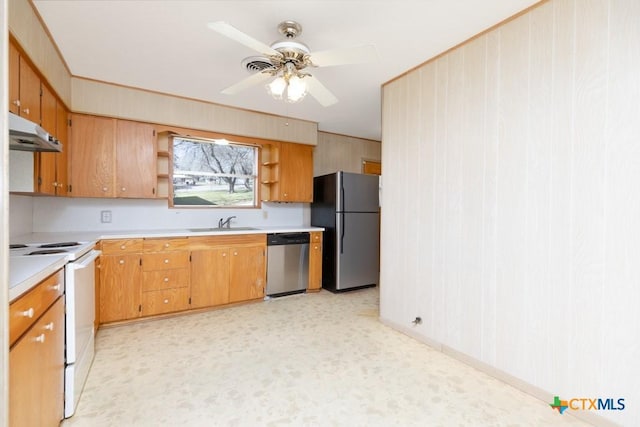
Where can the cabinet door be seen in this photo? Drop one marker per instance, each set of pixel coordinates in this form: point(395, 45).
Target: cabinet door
point(209, 277)
point(36, 374)
point(92, 156)
point(247, 273)
point(120, 278)
point(29, 92)
point(135, 160)
point(296, 173)
point(62, 164)
point(14, 79)
point(315, 262)
point(52, 390)
point(46, 164)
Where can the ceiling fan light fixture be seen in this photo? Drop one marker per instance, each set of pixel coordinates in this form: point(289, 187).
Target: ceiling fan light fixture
point(277, 87)
point(296, 90)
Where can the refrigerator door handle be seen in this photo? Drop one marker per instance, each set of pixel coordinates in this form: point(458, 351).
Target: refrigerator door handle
point(341, 232)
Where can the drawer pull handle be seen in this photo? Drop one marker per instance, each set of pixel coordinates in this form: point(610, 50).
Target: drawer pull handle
point(56, 287)
point(166, 301)
point(39, 338)
point(166, 245)
point(49, 326)
point(166, 261)
point(28, 313)
point(16, 102)
point(124, 189)
point(166, 279)
point(104, 189)
point(224, 254)
point(26, 111)
point(121, 261)
point(122, 246)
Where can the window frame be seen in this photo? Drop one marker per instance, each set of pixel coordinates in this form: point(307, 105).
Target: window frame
point(207, 137)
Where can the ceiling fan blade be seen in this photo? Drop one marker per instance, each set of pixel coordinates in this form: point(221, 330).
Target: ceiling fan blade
point(252, 80)
point(233, 33)
point(320, 92)
point(343, 56)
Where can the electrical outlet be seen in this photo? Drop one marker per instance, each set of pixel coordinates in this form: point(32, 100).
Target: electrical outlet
point(105, 216)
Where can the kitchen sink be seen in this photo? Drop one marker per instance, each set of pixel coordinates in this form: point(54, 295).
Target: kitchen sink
point(203, 230)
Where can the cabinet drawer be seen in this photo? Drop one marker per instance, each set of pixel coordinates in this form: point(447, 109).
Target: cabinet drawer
point(156, 245)
point(165, 301)
point(28, 308)
point(165, 260)
point(165, 279)
point(120, 246)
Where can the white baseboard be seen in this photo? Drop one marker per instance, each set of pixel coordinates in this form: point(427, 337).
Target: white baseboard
point(538, 393)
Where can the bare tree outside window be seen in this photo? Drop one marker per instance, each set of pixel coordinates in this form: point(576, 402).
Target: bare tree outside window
point(210, 173)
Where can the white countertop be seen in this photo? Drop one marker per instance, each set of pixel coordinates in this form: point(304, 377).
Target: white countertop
point(132, 234)
point(26, 272)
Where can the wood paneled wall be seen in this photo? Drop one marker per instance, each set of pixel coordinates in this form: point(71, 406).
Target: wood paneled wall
point(343, 153)
point(105, 99)
point(511, 204)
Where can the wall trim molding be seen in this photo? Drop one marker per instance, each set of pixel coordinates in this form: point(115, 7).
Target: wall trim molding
point(506, 378)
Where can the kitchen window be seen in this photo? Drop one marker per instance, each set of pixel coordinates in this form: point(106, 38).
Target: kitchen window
point(213, 173)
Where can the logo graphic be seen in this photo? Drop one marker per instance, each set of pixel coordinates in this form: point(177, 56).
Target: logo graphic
point(587, 404)
point(559, 405)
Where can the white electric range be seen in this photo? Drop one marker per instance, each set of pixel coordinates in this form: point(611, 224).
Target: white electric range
point(80, 309)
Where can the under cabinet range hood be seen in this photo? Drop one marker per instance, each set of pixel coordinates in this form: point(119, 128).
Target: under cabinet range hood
point(24, 135)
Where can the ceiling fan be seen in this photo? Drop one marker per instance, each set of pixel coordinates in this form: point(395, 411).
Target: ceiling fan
point(287, 62)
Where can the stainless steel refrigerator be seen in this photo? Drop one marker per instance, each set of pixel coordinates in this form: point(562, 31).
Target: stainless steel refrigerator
point(346, 205)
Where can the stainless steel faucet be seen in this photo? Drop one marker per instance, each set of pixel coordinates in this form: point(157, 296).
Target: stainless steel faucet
point(226, 222)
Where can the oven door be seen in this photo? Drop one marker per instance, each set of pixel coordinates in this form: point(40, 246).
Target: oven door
point(80, 304)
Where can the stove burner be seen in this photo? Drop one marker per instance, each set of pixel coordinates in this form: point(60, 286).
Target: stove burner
point(48, 252)
point(59, 245)
point(17, 246)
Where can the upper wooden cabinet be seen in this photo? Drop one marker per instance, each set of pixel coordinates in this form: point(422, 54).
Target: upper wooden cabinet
point(24, 86)
point(135, 160)
point(14, 79)
point(51, 168)
point(287, 172)
point(112, 158)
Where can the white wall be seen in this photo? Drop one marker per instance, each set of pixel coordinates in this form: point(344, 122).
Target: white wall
point(511, 203)
point(4, 217)
point(20, 215)
point(75, 214)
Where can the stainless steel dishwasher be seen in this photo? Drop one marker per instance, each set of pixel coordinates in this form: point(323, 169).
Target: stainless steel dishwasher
point(287, 263)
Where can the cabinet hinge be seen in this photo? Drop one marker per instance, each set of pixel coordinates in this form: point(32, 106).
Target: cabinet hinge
point(153, 191)
point(69, 188)
point(39, 181)
point(69, 122)
point(140, 261)
point(140, 307)
point(189, 300)
point(154, 132)
point(189, 257)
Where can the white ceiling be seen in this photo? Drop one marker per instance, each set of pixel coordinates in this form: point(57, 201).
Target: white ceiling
point(165, 46)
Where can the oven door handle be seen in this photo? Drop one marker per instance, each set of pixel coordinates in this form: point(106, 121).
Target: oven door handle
point(85, 261)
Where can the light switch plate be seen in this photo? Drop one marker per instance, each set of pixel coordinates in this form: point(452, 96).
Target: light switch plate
point(105, 216)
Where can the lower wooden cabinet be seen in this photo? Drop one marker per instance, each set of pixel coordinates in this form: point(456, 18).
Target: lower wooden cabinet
point(209, 277)
point(315, 262)
point(146, 277)
point(247, 273)
point(165, 277)
point(120, 277)
point(36, 372)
